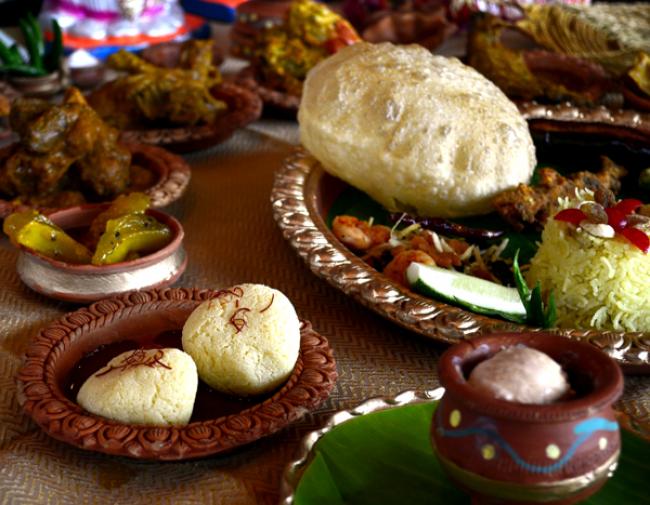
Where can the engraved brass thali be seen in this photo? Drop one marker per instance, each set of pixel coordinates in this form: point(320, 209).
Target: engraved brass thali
point(301, 198)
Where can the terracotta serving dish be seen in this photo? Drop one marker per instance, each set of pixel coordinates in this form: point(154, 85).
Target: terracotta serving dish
point(86, 283)
point(170, 177)
point(218, 424)
point(507, 452)
point(167, 54)
point(244, 107)
point(274, 100)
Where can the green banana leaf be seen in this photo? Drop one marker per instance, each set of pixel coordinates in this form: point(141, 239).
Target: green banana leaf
point(386, 458)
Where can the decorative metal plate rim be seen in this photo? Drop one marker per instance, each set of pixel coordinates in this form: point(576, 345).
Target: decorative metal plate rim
point(294, 470)
point(629, 123)
point(293, 201)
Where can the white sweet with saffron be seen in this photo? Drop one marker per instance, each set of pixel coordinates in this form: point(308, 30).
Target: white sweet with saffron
point(245, 341)
point(148, 386)
point(520, 374)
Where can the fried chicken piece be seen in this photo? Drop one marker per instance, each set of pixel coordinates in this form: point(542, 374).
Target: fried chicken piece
point(55, 138)
point(150, 94)
point(530, 206)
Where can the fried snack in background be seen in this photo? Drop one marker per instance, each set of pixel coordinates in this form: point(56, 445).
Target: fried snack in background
point(559, 52)
point(310, 33)
point(149, 95)
point(54, 139)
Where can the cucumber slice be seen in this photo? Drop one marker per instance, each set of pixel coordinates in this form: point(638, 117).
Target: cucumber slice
point(475, 294)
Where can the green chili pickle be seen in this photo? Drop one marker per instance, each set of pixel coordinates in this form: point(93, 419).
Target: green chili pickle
point(34, 231)
point(133, 203)
point(128, 236)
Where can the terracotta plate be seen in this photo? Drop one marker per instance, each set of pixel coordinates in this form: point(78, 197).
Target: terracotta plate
point(279, 100)
point(244, 107)
point(302, 196)
point(171, 177)
point(57, 349)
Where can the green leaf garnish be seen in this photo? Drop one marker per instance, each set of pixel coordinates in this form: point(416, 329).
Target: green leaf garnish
point(536, 313)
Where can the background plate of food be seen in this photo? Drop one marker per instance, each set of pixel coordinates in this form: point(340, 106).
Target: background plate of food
point(129, 375)
point(66, 155)
point(478, 156)
point(591, 55)
point(281, 54)
point(185, 108)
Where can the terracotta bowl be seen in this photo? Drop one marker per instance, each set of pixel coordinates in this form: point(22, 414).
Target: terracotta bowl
point(86, 283)
point(275, 100)
point(46, 382)
point(506, 452)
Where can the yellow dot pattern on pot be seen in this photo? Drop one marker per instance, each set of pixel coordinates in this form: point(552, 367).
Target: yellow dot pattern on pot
point(487, 451)
point(602, 443)
point(553, 451)
point(454, 418)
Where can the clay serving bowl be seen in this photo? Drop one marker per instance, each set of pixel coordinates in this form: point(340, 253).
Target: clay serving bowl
point(506, 452)
point(86, 283)
point(66, 352)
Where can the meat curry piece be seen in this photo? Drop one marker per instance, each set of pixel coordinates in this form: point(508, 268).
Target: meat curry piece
point(151, 95)
point(529, 206)
point(55, 139)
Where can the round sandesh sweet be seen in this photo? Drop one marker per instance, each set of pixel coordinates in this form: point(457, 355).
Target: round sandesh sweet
point(245, 341)
point(155, 387)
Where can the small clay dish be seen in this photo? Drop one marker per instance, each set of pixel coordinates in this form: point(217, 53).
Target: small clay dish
point(43, 86)
point(87, 283)
point(167, 178)
point(58, 360)
point(244, 107)
point(507, 452)
point(274, 100)
point(167, 54)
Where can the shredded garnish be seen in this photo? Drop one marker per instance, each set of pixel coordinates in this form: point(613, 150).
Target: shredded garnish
point(269, 305)
point(239, 322)
point(138, 358)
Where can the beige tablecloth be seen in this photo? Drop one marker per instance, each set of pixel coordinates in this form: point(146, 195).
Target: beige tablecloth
point(230, 238)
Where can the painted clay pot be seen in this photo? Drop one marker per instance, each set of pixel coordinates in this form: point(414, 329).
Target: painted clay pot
point(506, 452)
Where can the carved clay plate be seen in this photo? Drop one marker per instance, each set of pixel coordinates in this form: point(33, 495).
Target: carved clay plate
point(57, 349)
point(301, 198)
point(171, 175)
point(244, 107)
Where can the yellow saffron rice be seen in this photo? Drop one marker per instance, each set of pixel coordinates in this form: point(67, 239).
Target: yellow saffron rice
point(601, 283)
